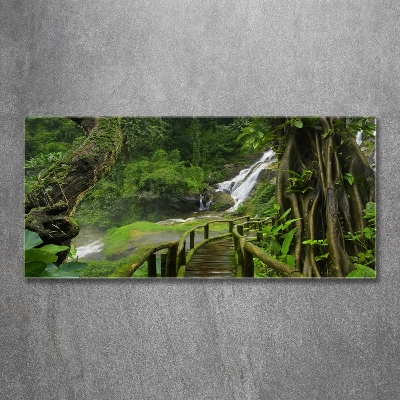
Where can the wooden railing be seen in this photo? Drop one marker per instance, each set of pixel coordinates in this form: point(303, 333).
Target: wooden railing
point(173, 263)
point(184, 259)
point(168, 261)
point(175, 260)
point(245, 250)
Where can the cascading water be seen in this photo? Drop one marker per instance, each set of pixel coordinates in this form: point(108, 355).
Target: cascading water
point(372, 157)
point(204, 206)
point(242, 184)
point(359, 138)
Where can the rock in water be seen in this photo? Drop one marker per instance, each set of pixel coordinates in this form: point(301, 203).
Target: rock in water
point(221, 201)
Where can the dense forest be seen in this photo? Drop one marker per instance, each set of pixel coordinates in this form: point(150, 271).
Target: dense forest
point(164, 164)
point(107, 173)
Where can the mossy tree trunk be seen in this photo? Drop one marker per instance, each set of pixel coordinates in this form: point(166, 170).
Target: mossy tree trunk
point(326, 200)
point(51, 203)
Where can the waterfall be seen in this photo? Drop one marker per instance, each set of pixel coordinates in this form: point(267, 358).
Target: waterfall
point(201, 205)
point(359, 138)
point(242, 184)
point(204, 206)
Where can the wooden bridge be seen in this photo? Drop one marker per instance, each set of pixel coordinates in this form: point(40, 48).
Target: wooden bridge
point(228, 255)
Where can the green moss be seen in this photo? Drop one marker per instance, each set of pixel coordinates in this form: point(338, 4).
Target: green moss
point(117, 240)
point(103, 268)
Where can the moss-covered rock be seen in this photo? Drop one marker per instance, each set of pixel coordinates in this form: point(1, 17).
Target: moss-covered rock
point(221, 201)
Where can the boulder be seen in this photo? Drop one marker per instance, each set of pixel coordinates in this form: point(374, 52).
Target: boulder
point(221, 201)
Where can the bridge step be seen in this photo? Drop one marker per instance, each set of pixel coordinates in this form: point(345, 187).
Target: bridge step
point(213, 260)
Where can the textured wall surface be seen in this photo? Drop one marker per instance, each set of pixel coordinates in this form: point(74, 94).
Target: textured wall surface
point(206, 339)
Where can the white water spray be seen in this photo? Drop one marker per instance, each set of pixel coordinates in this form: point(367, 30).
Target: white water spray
point(359, 138)
point(91, 248)
point(242, 184)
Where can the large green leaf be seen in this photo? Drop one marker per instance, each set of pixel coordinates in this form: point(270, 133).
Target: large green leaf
point(297, 123)
point(53, 248)
point(287, 223)
point(275, 246)
point(288, 241)
point(289, 260)
point(362, 271)
point(39, 255)
point(34, 268)
point(32, 239)
point(285, 214)
point(72, 266)
point(349, 177)
point(68, 270)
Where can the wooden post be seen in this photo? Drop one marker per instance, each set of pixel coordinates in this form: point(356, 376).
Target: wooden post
point(240, 230)
point(182, 255)
point(259, 236)
point(206, 231)
point(240, 258)
point(163, 264)
point(230, 226)
point(152, 266)
point(248, 264)
point(192, 239)
point(170, 268)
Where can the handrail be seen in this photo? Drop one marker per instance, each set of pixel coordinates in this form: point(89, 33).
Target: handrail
point(182, 258)
point(174, 263)
point(191, 232)
point(148, 254)
point(246, 250)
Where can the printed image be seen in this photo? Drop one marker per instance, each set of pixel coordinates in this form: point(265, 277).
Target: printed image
point(196, 197)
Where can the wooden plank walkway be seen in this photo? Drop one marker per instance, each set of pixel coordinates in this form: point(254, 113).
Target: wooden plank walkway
point(213, 260)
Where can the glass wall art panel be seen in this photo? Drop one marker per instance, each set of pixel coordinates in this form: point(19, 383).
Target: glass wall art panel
point(200, 197)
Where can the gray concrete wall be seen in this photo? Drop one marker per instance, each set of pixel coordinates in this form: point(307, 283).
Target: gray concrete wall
point(199, 340)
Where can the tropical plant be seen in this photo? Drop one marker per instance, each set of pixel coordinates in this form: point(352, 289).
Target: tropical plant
point(39, 260)
point(365, 259)
point(277, 239)
point(325, 180)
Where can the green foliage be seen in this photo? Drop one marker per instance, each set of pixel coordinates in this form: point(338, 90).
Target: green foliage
point(44, 135)
point(257, 134)
point(36, 166)
point(365, 239)
point(163, 176)
point(103, 206)
point(39, 261)
point(365, 124)
point(67, 270)
point(261, 204)
point(300, 182)
point(263, 271)
point(103, 268)
point(362, 271)
point(195, 133)
point(142, 136)
point(31, 240)
point(276, 242)
point(349, 177)
point(163, 161)
point(140, 189)
point(260, 134)
point(321, 244)
point(117, 240)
